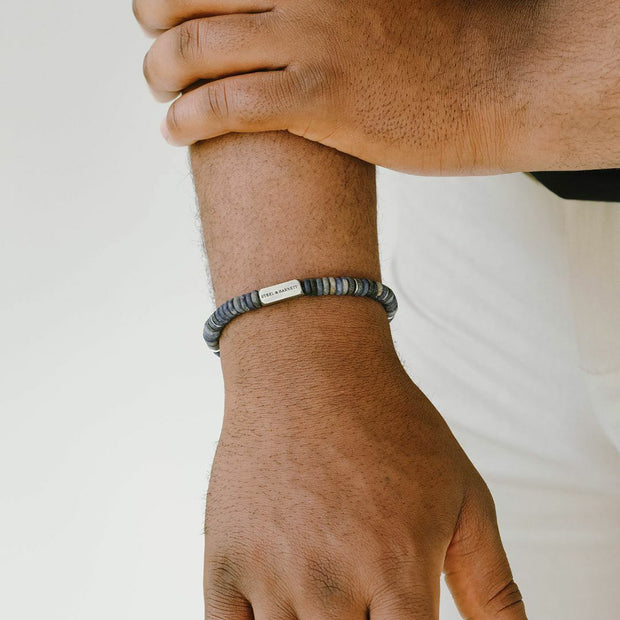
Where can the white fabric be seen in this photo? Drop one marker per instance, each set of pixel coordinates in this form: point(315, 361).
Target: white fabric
point(509, 321)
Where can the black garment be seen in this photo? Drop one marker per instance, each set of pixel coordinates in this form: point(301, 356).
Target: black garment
point(599, 185)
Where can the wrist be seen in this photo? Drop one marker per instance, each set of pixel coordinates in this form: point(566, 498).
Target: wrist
point(323, 340)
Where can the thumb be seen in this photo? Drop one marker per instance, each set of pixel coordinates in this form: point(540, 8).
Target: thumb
point(476, 567)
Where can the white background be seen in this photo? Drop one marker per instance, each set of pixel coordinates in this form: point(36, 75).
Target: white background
point(110, 403)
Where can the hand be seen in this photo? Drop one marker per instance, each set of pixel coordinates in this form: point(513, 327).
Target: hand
point(338, 491)
point(427, 87)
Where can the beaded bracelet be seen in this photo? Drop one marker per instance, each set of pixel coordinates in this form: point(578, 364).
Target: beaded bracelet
point(359, 287)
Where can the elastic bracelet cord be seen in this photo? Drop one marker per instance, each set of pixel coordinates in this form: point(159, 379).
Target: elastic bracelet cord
point(357, 287)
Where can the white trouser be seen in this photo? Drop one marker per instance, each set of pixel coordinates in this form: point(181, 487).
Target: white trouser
point(509, 321)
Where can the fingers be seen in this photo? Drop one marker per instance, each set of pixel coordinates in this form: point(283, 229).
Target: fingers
point(157, 15)
point(251, 87)
point(477, 570)
point(211, 48)
point(244, 103)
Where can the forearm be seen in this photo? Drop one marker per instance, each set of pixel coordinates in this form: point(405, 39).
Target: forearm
point(276, 207)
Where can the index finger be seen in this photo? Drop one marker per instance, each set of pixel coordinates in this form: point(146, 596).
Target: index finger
point(157, 15)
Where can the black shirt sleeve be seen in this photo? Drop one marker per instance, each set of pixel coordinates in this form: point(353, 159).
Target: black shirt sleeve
point(598, 185)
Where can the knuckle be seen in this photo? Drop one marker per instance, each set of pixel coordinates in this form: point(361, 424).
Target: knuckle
point(189, 39)
point(255, 105)
point(306, 81)
point(486, 505)
point(478, 513)
point(284, 91)
point(252, 25)
point(414, 604)
point(390, 566)
point(483, 491)
point(218, 607)
point(398, 552)
point(403, 596)
point(507, 596)
point(222, 572)
point(217, 101)
point(401, 580)
point(327, 582)
point(261, 102)
point(222, 590)
point(314, 83)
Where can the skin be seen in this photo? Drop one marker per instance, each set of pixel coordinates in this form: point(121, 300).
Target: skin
point(337, 490)
point(430, 87)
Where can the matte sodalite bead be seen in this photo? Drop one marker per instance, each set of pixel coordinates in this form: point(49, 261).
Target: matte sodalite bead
point(312, 287)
